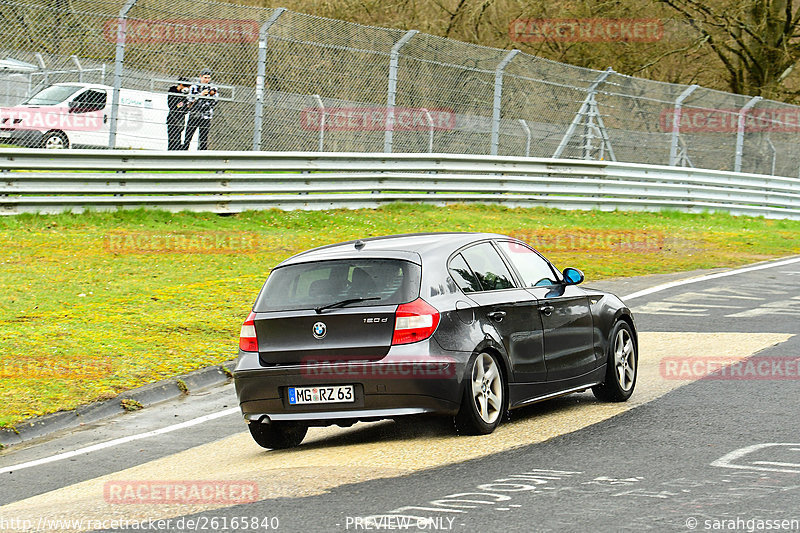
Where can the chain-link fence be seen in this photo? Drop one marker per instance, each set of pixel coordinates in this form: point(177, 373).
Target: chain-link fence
point(290, 81)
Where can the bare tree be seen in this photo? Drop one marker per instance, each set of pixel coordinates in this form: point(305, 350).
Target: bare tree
point(755, 40)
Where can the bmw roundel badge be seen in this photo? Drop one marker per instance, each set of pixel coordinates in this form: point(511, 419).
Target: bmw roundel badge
point(320, 329)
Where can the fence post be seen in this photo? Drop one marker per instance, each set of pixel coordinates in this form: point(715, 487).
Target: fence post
point(737, 165)
point(263, 33)
point(321, 108)
point(586, 106)
point(77, 62)
point(498, 97)
point(525, 127)
point(122, 30)
point(774, 154)
point(394, 60)
point(430, 129)
point(43, 68)
point(676, 123)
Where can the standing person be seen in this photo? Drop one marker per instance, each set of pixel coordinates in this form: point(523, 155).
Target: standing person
point(176, 118)
point(202, 99)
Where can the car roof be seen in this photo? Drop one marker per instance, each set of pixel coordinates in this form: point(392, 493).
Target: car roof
point(400, 246)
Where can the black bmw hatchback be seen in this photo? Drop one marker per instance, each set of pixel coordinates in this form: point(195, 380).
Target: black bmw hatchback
point(468, 325)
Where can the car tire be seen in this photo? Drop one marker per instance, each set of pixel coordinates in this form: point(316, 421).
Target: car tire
point(278, 435)
point(484, 401)
point(55, 140)
point(621, 367)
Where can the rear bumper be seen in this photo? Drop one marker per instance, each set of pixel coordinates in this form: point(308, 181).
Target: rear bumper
point(402, 383)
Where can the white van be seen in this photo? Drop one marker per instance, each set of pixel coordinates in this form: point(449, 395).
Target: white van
point(77, 115)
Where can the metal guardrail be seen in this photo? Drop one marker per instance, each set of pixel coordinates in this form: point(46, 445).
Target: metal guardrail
point(42, 181)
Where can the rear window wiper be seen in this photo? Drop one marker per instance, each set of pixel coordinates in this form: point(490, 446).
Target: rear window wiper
point(343, 303)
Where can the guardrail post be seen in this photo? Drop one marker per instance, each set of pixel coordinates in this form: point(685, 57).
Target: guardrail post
point(261, 75)
point(394, 60)
point(586, 106)
point(525, 127)
point(321, 108)
point(676, 123)
point(737, 165)
point(498, 98)
point(122, 30)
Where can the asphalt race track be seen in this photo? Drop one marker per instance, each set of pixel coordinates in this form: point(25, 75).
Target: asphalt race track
point(710, 441)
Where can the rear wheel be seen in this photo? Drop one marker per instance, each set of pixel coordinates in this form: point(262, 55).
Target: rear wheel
point(483, 404)
point(278, 435)
point(55, 140)
point(621, 367)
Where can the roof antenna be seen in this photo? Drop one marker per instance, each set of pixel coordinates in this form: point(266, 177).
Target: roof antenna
point(359, 244)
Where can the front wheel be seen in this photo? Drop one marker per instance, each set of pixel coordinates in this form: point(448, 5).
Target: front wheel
point(483, 404)
point(55, 140)
point(278, 435)
point(621, 367)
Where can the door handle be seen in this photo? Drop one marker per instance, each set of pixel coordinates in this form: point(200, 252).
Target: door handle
point(547, 310)
point(497, 316)
point(105, 119)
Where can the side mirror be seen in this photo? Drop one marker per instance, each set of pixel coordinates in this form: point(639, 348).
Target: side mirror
point(573, 276)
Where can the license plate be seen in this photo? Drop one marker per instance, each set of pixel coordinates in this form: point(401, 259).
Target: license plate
point(332, 394)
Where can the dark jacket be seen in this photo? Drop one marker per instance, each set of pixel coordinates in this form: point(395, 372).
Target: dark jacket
point(176, 113)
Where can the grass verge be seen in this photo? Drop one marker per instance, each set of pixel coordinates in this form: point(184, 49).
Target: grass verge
point(99, 303)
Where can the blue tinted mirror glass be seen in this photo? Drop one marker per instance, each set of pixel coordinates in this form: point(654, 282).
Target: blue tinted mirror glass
point(573, 276)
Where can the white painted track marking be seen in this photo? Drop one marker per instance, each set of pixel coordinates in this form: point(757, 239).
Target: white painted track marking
point(665, 286)
point(122, 440)
point(727, 461)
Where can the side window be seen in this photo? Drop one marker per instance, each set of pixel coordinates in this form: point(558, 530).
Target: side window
point(88, 101)
point(488, 267)
point(534, 270)
point(462, 273)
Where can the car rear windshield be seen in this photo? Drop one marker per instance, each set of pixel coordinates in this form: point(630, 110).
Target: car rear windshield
point(55, 94)
point(312, 285)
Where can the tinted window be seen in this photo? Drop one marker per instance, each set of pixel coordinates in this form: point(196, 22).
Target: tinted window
point(463, 275)
point(310, 285)
point(488, 267)
point(534, 270)
point(89, 101)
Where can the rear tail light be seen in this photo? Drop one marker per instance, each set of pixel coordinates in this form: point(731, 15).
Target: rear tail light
point(248, 341)
point(414, 321)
